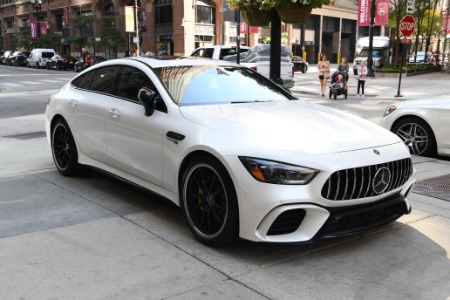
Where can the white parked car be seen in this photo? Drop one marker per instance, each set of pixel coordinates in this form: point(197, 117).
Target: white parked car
point(235, 151)
point(423, 125)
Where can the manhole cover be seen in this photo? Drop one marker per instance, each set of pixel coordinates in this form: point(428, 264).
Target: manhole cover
point(27, 136)
point(436, 187)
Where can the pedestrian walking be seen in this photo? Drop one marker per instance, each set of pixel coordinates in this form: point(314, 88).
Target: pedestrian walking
point(343, 69)
point(324, 73)
point(362, 72)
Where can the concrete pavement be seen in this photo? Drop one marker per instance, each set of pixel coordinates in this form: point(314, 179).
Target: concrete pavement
point(94, 237)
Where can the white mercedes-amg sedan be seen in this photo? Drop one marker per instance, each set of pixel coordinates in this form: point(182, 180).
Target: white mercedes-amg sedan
point(239, 154)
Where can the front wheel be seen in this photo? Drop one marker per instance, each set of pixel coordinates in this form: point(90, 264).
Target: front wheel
point(64, 150)
point(305, 69)
point(209, 202)
point(417, 135)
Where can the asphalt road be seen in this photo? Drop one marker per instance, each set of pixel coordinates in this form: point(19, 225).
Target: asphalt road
point(95, 237)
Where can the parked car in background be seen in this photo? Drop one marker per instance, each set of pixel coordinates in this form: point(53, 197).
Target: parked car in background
point(420, 57)
point(18, 58)
point(218, 51)
point(236, 152)
point(300, 64)
point(257, 58)
point(61, 62)
point(39, 57)
point(80, 66)
point(21, 59)
point(423, 125)
point(4, 56)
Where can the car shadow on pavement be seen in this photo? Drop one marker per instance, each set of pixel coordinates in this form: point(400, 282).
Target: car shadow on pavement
point(401, 260)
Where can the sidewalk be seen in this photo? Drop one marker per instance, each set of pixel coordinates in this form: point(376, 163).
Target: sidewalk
point(386, 88)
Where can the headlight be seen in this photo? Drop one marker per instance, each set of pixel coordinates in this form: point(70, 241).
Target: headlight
point(389, 110)
point(277, 172)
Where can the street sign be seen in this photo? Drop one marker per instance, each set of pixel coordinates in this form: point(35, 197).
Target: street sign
point(406, 41)
point(407, 25)
point(410, 7)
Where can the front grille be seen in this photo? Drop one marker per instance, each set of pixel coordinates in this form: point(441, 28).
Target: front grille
point(367, 181)
point(361, 218)
point(287, 222)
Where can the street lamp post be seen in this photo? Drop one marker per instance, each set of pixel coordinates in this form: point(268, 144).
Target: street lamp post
point(36, 5)
point(370, 72)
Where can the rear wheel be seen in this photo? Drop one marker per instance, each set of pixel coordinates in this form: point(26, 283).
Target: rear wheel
point(417, 135)
point(209, 202)
point(64, 150)
point(346, 93)
point(305, 69)
point(37, 65)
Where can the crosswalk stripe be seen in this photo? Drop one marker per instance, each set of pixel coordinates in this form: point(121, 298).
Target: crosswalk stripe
point(10, 84)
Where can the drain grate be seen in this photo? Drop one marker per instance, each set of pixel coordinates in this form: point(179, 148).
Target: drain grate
point(436, 187)
point(27, 136)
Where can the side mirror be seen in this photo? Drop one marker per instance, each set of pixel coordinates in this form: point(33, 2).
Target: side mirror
point(146, 97)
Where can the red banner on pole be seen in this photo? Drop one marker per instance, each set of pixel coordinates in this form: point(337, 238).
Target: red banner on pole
point(243, 28)
point(254, 29)
point(363, 12)
point(382, 12)
point(33, 30)
point(43, 27)
point(66, 16)
point(445, 23)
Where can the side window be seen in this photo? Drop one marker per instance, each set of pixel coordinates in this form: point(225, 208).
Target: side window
point(198, 53)
point(130, 81)
point(209, 53)
point(83, 81)
point(103, 80)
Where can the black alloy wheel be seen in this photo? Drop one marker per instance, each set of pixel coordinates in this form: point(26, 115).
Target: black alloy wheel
point(417, 135)
point(209, 202)
point(64, 150)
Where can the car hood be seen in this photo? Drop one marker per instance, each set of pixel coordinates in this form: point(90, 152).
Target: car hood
point(295, 126)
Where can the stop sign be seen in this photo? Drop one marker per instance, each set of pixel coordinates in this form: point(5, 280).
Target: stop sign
point(407, 25)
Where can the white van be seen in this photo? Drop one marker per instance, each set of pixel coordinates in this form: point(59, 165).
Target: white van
point(38, 57)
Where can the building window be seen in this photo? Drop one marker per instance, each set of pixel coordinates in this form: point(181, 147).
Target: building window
point(205, 12)
point(59, 22)
point(11, 23)
point(164, 12)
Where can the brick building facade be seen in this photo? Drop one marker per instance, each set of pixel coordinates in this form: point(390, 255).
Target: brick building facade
point(171, 27)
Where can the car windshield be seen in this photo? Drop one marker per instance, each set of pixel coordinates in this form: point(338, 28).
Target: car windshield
point(201, 85)
point(375, 53)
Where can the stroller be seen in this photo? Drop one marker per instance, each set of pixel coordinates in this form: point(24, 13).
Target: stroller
point(338, 85)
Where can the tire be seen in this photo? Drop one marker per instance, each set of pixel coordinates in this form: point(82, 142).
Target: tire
point(48, 66)
point(64, 150)
point(346, 93)
point(59, 67)
point(417, 135)
point(209, 202)
point(305, 69)
point(37, 65)
point(330, 94)
point(335, 96)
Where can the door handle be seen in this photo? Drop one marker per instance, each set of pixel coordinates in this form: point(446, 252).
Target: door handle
point(115, 113)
